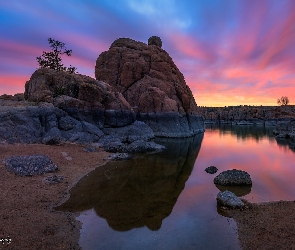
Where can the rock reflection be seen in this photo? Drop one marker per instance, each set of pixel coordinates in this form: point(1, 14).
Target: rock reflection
point(137, 192)
point(237, 190)
point(243, 132)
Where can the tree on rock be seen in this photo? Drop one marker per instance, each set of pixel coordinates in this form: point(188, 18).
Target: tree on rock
point(52, 59)
point(283, 101)
point(155, 40)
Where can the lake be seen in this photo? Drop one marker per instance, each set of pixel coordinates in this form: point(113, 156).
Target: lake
point(167, 200)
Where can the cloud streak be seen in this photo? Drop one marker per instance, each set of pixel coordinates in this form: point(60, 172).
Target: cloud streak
point(230, 52)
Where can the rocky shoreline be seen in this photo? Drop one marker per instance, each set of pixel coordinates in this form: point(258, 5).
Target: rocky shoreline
point(281, 118)
point(247, 115)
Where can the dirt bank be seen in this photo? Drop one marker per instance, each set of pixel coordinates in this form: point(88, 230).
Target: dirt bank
point(26, 215)
point(266, 226)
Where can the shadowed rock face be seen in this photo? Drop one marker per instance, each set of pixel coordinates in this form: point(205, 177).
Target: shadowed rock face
point(152, 84)
point(138, 192)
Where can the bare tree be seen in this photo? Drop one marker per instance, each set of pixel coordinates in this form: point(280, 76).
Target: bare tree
point(52, 59)
point(283, 101)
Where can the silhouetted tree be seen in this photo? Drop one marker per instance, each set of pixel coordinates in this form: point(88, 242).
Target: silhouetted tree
point(283, 101)
point(52, 59)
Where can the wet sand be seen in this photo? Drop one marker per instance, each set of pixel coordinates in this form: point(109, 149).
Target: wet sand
point(27, 217)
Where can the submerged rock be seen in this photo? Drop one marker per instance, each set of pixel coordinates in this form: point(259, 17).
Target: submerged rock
point(29, 165)
point(229, 199)
point(211, 170)
point(233, 177)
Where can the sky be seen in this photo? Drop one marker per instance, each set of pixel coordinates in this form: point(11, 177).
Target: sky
point(231, 52)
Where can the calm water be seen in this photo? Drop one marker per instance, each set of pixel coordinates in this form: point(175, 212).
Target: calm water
point(168, 201)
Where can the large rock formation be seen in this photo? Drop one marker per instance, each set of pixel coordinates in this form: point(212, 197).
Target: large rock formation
point(152, 84)
point(81, 96)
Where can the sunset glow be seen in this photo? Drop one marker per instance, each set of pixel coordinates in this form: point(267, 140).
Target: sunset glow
point(230, 52)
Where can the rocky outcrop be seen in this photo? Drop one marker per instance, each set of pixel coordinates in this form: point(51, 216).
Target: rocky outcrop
point(233, 177)
point(44, 124)
point(82, 97)
point(47, 124)
point(28, 165)
point(152, 84)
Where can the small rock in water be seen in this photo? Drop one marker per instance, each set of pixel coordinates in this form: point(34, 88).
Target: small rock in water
point(229, 199)
point(211, 170)
point(54, 179)
point(233, 178)
point(29, 165)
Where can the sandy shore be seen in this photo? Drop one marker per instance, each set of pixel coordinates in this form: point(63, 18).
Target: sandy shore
point(27, 217)
point(266, 226)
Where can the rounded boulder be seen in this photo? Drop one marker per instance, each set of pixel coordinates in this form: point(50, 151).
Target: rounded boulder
point(233, 177)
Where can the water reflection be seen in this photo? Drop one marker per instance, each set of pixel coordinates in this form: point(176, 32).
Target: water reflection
point(256, 132)
point(167, 200)
point(139, 192)
point(237, 190)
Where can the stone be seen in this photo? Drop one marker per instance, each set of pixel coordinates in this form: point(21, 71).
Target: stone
point(229, 199)
point(151, 83)
point(119, 157)
point(141, 146)
point(91, 129)
point(211, 170)
point(67, 123)
point(111, 143)
point(66, 156)
point(233, 178)
point(52, 137)
point(155, 40)
point(29, 165)
point(53, 179)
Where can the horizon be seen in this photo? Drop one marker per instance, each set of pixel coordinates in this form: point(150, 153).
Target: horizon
point(231, 53)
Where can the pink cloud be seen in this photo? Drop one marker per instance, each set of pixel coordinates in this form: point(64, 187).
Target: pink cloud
point(12, 84)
